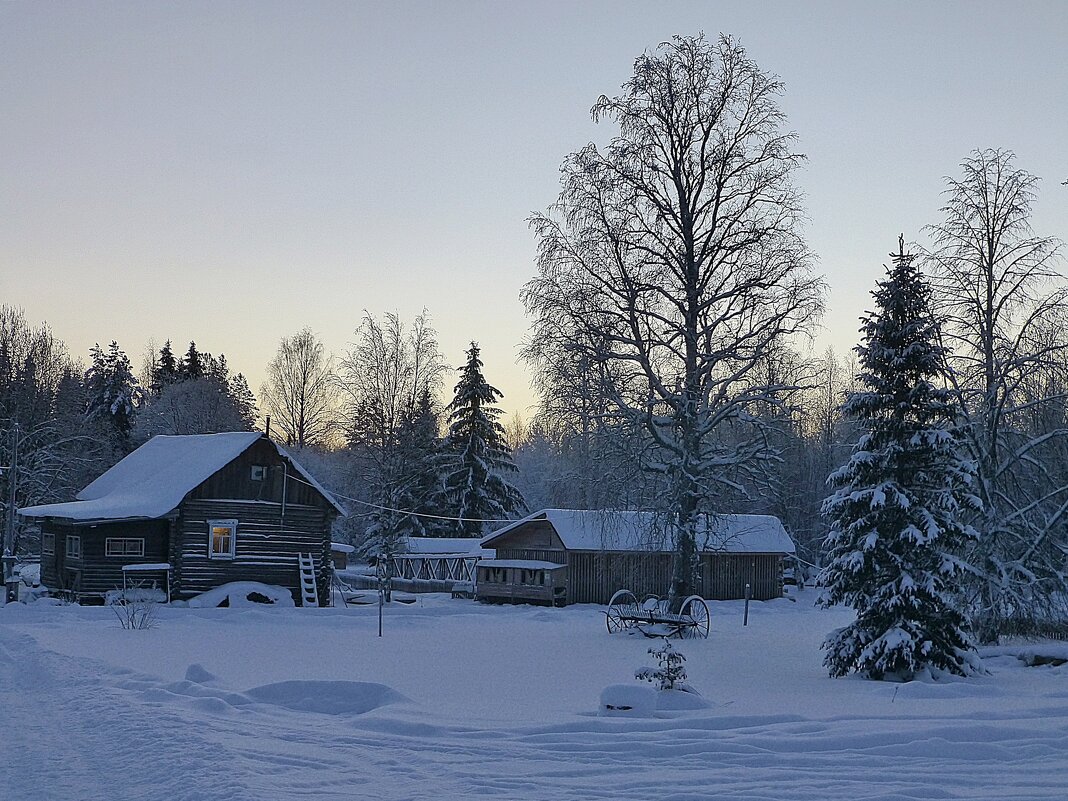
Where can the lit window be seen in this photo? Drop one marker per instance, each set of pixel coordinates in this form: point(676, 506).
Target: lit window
point(48, 544)
point(121, 546)
point(74, 547)
point(222, 537)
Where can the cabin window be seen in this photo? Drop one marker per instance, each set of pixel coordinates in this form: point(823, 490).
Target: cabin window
point(74, 547)
point(124, 546)
point(259, 472)
point(222, 537)
point(48, 544)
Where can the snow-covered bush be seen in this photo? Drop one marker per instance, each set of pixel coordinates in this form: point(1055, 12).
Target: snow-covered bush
point(136, 607)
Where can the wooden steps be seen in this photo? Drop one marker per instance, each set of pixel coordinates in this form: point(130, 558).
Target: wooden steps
point(309, 596)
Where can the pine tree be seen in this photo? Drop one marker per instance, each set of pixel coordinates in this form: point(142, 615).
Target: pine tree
point(476, 443)
point(896, 513)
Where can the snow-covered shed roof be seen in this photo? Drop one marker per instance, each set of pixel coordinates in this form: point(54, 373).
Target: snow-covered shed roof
point(646, 531)
point(153, 480)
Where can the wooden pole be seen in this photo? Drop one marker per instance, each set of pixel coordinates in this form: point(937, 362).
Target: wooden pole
point(745, 618)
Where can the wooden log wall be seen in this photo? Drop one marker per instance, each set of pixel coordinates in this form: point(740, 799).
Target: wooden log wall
point(266, 547)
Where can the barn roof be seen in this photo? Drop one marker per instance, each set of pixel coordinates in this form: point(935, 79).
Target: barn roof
point(645, 531)
point(154, 479)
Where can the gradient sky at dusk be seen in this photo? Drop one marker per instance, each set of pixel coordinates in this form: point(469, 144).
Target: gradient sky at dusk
point(232, 172)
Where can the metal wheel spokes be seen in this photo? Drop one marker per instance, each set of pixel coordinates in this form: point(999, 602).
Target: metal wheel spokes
point(694, 612)
point(620, 611)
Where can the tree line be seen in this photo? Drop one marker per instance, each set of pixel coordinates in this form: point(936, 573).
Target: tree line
point(374, 425)
point(670, 311)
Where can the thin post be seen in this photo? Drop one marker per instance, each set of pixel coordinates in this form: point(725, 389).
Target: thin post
point(11, 587)
point(745, 618)
point(380, 574)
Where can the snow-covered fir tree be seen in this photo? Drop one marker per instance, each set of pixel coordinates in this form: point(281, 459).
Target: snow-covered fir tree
point(476, 441)
point(111, 389)
point(896, 527)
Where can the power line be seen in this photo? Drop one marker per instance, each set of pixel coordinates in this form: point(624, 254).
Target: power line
point(401, 511)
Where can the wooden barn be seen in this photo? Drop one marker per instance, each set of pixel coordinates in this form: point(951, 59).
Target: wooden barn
point(585, 556)
point(190, 513)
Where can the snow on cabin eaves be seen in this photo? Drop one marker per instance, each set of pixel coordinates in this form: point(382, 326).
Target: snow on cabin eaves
point(609, 530)
point(155, 478)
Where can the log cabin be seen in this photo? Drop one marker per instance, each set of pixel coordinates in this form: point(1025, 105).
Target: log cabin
point(191, 513)
point(566, 556)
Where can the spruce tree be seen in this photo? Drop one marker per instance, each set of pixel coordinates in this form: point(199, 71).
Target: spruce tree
point(412, 484)
point(895, 517)
point(165, 370)
point(244, 401)
point(193, 364)
point(112, 391)
point(479, 452)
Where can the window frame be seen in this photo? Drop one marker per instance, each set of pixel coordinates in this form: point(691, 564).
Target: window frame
point(48, 544)
point(123, 552)
point(229, 523)
point(76, 551)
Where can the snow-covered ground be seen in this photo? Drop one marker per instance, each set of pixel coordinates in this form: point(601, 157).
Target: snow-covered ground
point(461, 701)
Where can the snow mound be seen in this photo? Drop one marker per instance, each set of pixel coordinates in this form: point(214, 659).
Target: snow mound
point(680, 701)
point(240, 594)
point(327, 697)
point(637, 700)
point(632, 700)
point(199, 674)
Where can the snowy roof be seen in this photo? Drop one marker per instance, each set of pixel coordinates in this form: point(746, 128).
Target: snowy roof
point(154, 479)
point(645, 531)
point(523, 564)
point(442, 546)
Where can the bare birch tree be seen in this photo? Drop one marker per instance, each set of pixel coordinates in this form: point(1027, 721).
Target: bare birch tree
point(300, 392)
point(1006, 305)
point(674, 259)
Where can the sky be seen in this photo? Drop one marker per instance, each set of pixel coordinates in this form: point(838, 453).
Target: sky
point(234, 172)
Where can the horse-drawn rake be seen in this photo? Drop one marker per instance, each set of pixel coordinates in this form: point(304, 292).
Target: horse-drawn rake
point(653, 618)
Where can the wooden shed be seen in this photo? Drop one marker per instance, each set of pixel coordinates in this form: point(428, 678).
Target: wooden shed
point(204, 510)
point(604, 551)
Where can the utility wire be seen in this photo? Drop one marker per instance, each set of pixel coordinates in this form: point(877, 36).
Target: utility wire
point(403, 511)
